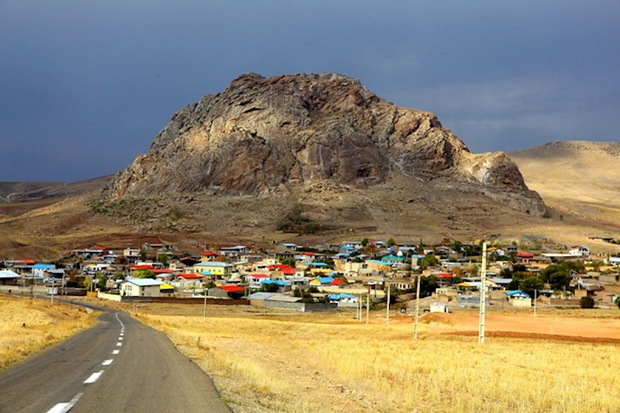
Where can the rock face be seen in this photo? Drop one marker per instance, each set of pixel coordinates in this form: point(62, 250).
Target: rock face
point(272, 135)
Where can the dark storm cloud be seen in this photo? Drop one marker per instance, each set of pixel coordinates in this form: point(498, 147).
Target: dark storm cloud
point(85, 86)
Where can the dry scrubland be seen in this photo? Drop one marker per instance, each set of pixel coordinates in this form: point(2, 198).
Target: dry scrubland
point(322, 363)
point(45, 324)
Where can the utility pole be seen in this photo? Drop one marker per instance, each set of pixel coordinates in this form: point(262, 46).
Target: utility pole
point(387, 311)
point(368, 305)
point(417, 308)
point(483, 293)
point(204, 310)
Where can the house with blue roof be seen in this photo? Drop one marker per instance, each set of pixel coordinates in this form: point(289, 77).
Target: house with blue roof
point(342, 298)
point(282, 284)
point(39, 270)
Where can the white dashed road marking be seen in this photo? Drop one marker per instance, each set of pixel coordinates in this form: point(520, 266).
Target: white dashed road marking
point(116, 351)
point(93, 377)
point(119, 344)
point(65, 407)
point(107, 362)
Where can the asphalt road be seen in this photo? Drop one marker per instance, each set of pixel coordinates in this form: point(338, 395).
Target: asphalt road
point(119, 365)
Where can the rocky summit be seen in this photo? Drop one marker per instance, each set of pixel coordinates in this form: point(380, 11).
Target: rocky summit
point(277, 135)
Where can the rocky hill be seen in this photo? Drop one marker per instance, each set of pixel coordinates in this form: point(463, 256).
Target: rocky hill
point(280, 135)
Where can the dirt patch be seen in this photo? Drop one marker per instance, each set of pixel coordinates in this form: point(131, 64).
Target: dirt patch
point(527, 326)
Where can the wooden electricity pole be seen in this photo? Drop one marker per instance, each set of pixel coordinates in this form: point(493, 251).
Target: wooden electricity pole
point(483, 293)
point(387, 311)
point(368, 305)
point(417, 308)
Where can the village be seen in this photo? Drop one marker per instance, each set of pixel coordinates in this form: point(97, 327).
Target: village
point(349, 275)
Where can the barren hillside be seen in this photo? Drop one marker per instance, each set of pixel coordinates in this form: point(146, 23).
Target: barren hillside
point(575, 178)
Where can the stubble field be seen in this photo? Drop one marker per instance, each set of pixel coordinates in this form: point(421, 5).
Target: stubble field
point(281, 362)
point(30, 325)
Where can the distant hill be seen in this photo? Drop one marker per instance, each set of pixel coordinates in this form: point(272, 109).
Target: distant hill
point(578, 178)
point(11, 192)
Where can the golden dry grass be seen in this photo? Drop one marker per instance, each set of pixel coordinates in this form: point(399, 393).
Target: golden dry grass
point(28, 326)
point(330, 362)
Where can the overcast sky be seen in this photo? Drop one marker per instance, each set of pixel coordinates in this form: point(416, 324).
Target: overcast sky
point(85, 86)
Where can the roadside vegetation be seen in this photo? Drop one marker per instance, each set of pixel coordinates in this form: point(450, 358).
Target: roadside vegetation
point(28, 326)
point(293, 362)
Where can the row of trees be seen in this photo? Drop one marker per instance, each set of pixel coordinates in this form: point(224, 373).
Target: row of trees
point(557, 276)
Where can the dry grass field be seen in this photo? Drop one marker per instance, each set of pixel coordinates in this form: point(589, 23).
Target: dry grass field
point(28, 326)
point(266, 361)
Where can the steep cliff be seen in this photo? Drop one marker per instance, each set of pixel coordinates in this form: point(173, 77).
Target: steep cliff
point(276, 135)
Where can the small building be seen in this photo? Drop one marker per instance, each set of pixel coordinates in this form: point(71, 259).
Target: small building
point(233, 291)
point(214, 268)
point(39, 270)
point(8, 277)
point(166, 290)
point(343, 299)
point(140, 287)
point(438, 307)
point(519, 298)
point(189, 282)
point(579, 250)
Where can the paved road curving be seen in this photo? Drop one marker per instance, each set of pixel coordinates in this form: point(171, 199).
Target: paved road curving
point(119, 365)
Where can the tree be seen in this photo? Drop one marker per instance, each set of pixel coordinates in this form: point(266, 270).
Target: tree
point(428, 285)
point(370, 250)
point(143, 274)
point(557, 276)
point(163, 258)
point(390, 242)
point(269, 287)
point(517, 277)
point(428, 261)
point(288, 261)
point(102, 280)
point(618, 301)
point(365, 242)
point(296, 213)
point(530, 284)
point(457, 246)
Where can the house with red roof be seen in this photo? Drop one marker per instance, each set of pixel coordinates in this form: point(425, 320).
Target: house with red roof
point(233, 291)
point(283, 269)
point(208, 256)
point(189, 282)
point(338, 282)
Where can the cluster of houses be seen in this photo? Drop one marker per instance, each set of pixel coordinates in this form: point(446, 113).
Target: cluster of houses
point(336, 274)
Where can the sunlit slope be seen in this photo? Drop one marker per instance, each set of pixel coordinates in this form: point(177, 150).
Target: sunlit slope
point(578, 178)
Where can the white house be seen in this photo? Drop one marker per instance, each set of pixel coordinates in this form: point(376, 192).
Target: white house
point(39, 270)
point(579, 250)
point(140, 287)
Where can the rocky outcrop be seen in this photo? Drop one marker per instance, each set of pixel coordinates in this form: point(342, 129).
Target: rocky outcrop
point(271, 135)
